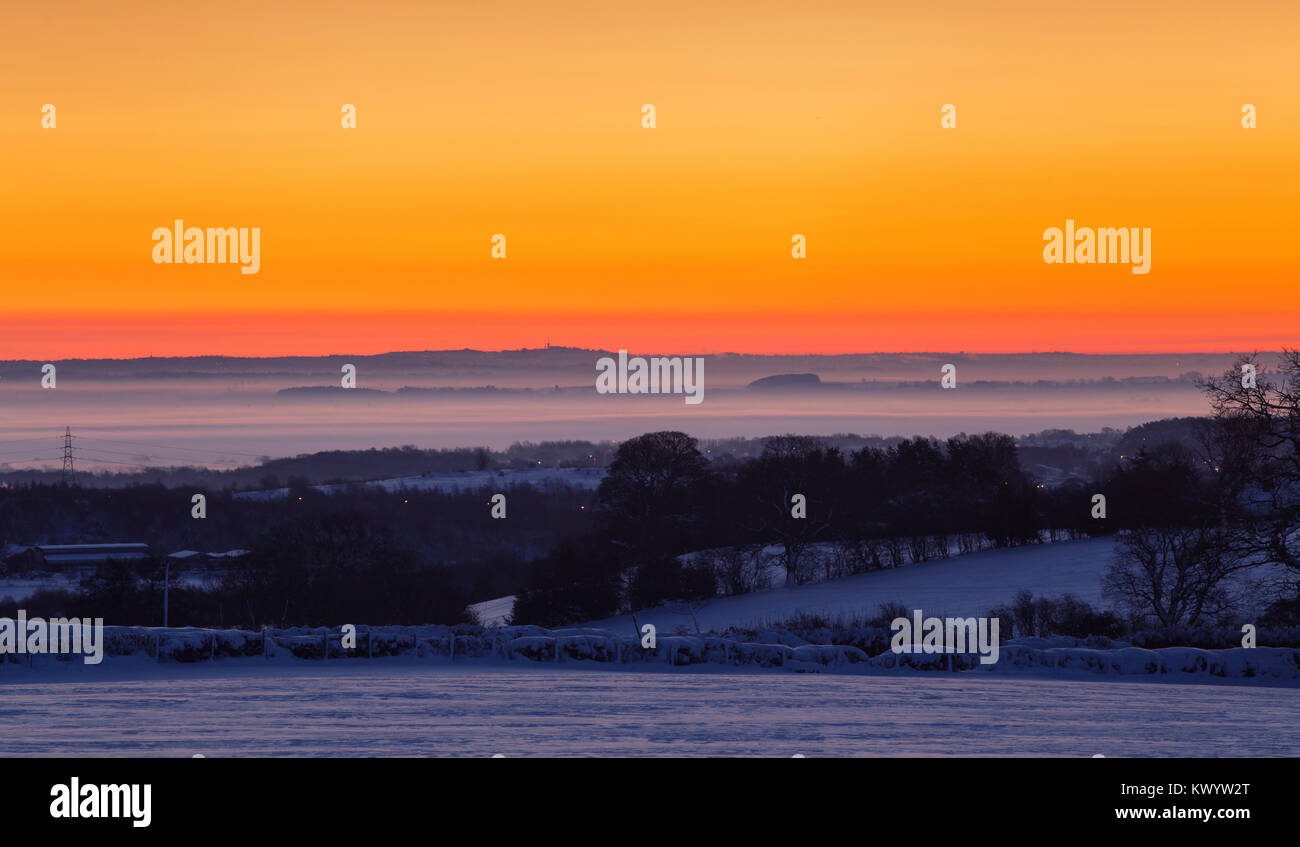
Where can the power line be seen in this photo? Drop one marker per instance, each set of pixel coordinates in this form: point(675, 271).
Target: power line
point(166, 447)
point(81, 449)
point(89, 453)
point(25, 450)
point(94, 461)
point(150, 464)
point(85, 460)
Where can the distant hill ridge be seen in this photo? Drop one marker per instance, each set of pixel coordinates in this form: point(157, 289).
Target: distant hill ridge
point(787, 381)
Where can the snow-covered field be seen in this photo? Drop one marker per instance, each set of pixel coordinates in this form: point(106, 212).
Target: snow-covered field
point(493, 612)
point(373, 709)
point(962, 585)
point(22, 587)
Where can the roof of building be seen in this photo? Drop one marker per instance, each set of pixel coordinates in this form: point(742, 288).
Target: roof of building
point(191, 554)
point(73, 558)
point(127, 547)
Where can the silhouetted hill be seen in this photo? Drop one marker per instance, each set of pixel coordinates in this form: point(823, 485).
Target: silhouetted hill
point(787, 381)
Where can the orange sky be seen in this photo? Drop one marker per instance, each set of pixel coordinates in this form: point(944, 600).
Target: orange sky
point(523, 118)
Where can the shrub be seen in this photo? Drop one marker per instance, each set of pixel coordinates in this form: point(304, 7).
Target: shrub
point(1065, 615)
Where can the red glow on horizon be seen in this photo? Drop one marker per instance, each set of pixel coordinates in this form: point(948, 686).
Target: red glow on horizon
point(120, 336)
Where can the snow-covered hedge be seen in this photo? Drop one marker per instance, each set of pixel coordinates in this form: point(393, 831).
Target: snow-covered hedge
point(1056, 656)
point(1264, 663)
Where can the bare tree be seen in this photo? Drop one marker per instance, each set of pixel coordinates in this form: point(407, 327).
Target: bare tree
point(790, 465)
point(1254, 450)
point(688, 607)
point(740, 568)
point(1179, 576)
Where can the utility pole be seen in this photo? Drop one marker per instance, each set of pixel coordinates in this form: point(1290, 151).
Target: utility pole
point(167, 572)
point(69, 472)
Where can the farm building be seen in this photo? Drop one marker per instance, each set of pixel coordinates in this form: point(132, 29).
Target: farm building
point(195, 557)
point(58, 557)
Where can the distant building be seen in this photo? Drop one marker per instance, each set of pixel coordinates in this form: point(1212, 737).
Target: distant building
point(195, 557)
point(59, 557)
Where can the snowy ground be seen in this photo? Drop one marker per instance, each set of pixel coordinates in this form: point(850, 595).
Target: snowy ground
point(22, 587)
point(962, 585)
point(390, 710)
point(493, 612)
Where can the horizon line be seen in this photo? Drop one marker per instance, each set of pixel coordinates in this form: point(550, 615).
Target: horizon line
point(736, 353)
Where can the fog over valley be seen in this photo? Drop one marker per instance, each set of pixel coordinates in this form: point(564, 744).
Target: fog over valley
point(226, 411)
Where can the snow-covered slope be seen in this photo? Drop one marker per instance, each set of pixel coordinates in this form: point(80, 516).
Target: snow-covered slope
point(493, 612)
point(961, 585)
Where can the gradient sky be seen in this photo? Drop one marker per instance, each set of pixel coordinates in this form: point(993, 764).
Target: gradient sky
point(524, 118)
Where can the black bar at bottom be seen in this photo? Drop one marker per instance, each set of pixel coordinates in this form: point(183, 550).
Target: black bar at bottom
point(189, 797)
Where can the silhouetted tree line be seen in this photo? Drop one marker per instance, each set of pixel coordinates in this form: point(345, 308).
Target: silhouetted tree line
point(315, 569)
point(877, 506)
point(358, 555)
point(339, 466)
point(438, 526)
